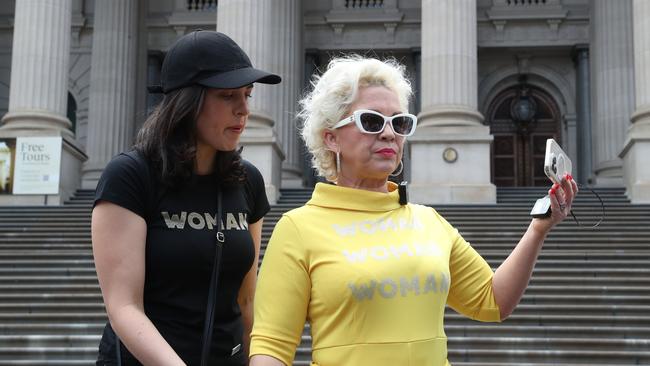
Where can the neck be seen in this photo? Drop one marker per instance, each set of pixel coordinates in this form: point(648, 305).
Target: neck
point(369, 184)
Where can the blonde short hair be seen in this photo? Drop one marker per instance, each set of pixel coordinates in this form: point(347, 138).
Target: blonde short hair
point(334, 92)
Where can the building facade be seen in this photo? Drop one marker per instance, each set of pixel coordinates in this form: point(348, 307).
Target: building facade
point(493, 79)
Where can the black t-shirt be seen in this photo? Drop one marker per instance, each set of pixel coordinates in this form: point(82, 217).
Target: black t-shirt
point(180, 249)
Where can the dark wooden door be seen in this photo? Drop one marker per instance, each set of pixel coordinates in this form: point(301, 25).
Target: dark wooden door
point(518, 153)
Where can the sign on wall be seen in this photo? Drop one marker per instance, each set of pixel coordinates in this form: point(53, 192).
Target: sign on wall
point(37, 167)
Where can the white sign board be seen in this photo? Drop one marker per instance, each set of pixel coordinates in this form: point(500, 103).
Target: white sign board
point(38, 165)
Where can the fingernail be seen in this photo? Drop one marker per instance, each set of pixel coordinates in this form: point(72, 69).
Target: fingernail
point(552, 191)
point(570, 177)
point(555, 186)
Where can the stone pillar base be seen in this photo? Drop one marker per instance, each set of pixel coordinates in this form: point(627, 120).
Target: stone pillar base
point(291, 178)
point(90, 176)
point(609, 174)
point(635, 163)
point(261, 147)
point(72, 158)
point(451, 165)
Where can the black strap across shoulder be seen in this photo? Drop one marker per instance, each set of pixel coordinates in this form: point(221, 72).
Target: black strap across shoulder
point(212, 292)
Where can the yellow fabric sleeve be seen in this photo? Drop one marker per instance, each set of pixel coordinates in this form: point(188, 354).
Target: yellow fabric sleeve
point(282, 295)
point(471, 292)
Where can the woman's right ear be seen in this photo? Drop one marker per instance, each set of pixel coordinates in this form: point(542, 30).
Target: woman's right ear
point(330, 140)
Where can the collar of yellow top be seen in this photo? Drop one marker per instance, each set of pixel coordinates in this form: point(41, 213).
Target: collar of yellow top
point(333, 196)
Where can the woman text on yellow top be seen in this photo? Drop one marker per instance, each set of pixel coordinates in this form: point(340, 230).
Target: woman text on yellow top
point(369, 273)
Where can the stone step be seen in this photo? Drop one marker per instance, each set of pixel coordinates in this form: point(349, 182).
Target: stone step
point(553, 363)
point(561, 331)
point(538, 343)
point(73, 285)
point(32, 354)
point(589, 295)
point(92, 296)
point(563, 254)
point(48, 340)
point(55, 327)
point(87, 360)
point(92, 303)
point(632, 267)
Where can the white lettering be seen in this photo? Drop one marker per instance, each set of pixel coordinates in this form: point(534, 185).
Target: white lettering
point(379, 253)
point(405, 286)
point(243, 220)
point(231, 222)
point(430, 284)
point(210, 220)
point(398, 251)
point(363, 291)
point(371, 227)
point(354, 257)
point(388, 287)
point(390, 293)
point(196, 221)
point(382, 252)
point(174, 222)
point(344, 230)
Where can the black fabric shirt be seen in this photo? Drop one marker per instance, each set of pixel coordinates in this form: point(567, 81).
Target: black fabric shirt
point(180, 249)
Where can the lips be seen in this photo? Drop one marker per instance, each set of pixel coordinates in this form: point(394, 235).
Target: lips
point(236, 129)
point(387, 152)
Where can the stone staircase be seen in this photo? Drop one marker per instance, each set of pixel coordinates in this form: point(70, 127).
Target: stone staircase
point(587, 304)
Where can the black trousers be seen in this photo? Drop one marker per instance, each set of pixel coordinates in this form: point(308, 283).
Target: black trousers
point(108, 354)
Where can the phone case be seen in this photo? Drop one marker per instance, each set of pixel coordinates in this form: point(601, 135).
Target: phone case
point(556, 163)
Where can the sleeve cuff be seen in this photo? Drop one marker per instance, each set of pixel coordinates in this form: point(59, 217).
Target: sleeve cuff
point(272, 347)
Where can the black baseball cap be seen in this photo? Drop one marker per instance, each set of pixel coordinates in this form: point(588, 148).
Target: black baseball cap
point(210, 59)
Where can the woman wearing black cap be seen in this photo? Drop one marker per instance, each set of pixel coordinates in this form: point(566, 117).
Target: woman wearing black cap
point(177, 221)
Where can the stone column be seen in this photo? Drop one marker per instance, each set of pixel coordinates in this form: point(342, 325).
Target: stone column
point(583, 171)
point(111, 105)
point(287, 57)
point(269, 32)
point(40, 56)
point(449, 118)
point(613, 86)
point(637, 144)
point(38, 92)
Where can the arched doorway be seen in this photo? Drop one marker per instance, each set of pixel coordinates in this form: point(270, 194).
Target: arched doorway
point(519, 140)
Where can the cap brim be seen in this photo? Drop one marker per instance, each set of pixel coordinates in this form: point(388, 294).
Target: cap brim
point(239, 78)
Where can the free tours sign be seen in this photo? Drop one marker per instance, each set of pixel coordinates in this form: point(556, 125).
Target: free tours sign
point(37, 165)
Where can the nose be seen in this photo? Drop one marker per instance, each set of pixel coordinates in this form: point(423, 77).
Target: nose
point(242, 106)
point(387, 133)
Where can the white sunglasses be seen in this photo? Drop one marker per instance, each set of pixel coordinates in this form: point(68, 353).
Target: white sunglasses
point(372, 122)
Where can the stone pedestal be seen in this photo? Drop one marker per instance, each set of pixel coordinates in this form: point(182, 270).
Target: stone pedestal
point(444, 165)
point(72, 158)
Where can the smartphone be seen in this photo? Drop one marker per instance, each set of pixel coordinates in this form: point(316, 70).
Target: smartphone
point(556, 163)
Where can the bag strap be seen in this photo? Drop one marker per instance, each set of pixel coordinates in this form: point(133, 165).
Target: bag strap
point(118, 352)
point(212, 292)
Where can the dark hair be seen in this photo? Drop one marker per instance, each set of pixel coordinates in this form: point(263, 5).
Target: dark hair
point(167, 140)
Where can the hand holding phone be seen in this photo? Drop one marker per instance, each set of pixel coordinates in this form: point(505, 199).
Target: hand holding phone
point(556, 163)
point(556, 166)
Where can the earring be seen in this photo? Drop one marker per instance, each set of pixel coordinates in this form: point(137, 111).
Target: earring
point(399, 170)
point(338, 163)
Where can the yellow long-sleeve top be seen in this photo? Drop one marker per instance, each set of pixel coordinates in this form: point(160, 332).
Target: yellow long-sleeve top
point(371, 276)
